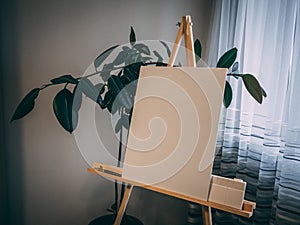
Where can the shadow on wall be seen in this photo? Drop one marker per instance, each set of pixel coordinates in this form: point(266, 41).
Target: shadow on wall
point(11, 178)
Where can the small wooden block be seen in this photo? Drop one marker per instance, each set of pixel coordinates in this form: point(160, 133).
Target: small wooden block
point(227, 191)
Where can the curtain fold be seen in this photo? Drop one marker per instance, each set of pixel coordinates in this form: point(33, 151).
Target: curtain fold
point(261, 143)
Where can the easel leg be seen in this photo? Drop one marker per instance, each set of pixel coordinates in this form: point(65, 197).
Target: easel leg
point(206, 215)
point(123, 204)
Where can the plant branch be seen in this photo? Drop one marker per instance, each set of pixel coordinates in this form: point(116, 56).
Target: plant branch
point(45, 86)
point(118, 68)
point(235, 74)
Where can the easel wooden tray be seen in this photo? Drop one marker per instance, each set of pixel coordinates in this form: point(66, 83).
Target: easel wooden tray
point(115, 173)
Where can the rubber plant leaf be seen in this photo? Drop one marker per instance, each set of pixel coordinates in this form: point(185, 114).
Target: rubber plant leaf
point(77, 98)
point(108, 97)
point(125, 121)
point(100, 59)
point(264, 93)
point(89, 89)
point(122, 122)
point(145, 59)
point(121, 94)
point(235, 67)
point(131, 72)
point(227, 94)
point(253, 87)
point(112, 107)
point(106, 71)
point(76, 105)
point(62, 107)
point(126, 48)
point(120, 58)
point(101, 88)
point(197, 49)
point(64, 79)
point(227, 59)
point(118, 126)
point(132, 37)
point(166, 47)
point(142, 48)
point(159, 57)
point(26, 105)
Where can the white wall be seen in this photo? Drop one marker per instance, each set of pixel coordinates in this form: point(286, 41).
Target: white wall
point(48, 182)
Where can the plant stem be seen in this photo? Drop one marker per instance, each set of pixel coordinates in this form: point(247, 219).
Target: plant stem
point(118, 164)
point(116, 196)
point(120, 158)
point(235, 74)
point(119, 161)
point(120, 146)
point(46, 85)
point(120, 67)
point(122, 192)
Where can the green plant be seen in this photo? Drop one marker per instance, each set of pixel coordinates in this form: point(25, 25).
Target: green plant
point(111, 93)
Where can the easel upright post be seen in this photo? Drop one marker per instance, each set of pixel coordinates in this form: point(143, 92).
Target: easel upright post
point(185, 29)
point(189, 41)
point(123, 205)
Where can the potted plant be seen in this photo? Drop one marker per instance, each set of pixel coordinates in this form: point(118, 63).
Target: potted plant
point(110, 94)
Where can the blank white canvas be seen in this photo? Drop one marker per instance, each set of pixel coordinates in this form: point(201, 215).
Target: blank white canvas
point(172, 137)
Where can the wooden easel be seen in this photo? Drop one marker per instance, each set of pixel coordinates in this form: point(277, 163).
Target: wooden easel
point(115, 173)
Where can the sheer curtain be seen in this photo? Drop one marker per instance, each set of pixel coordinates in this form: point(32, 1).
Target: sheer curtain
point(261, 143)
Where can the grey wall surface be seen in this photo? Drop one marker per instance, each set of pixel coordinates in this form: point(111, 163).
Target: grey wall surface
point(45, 174)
